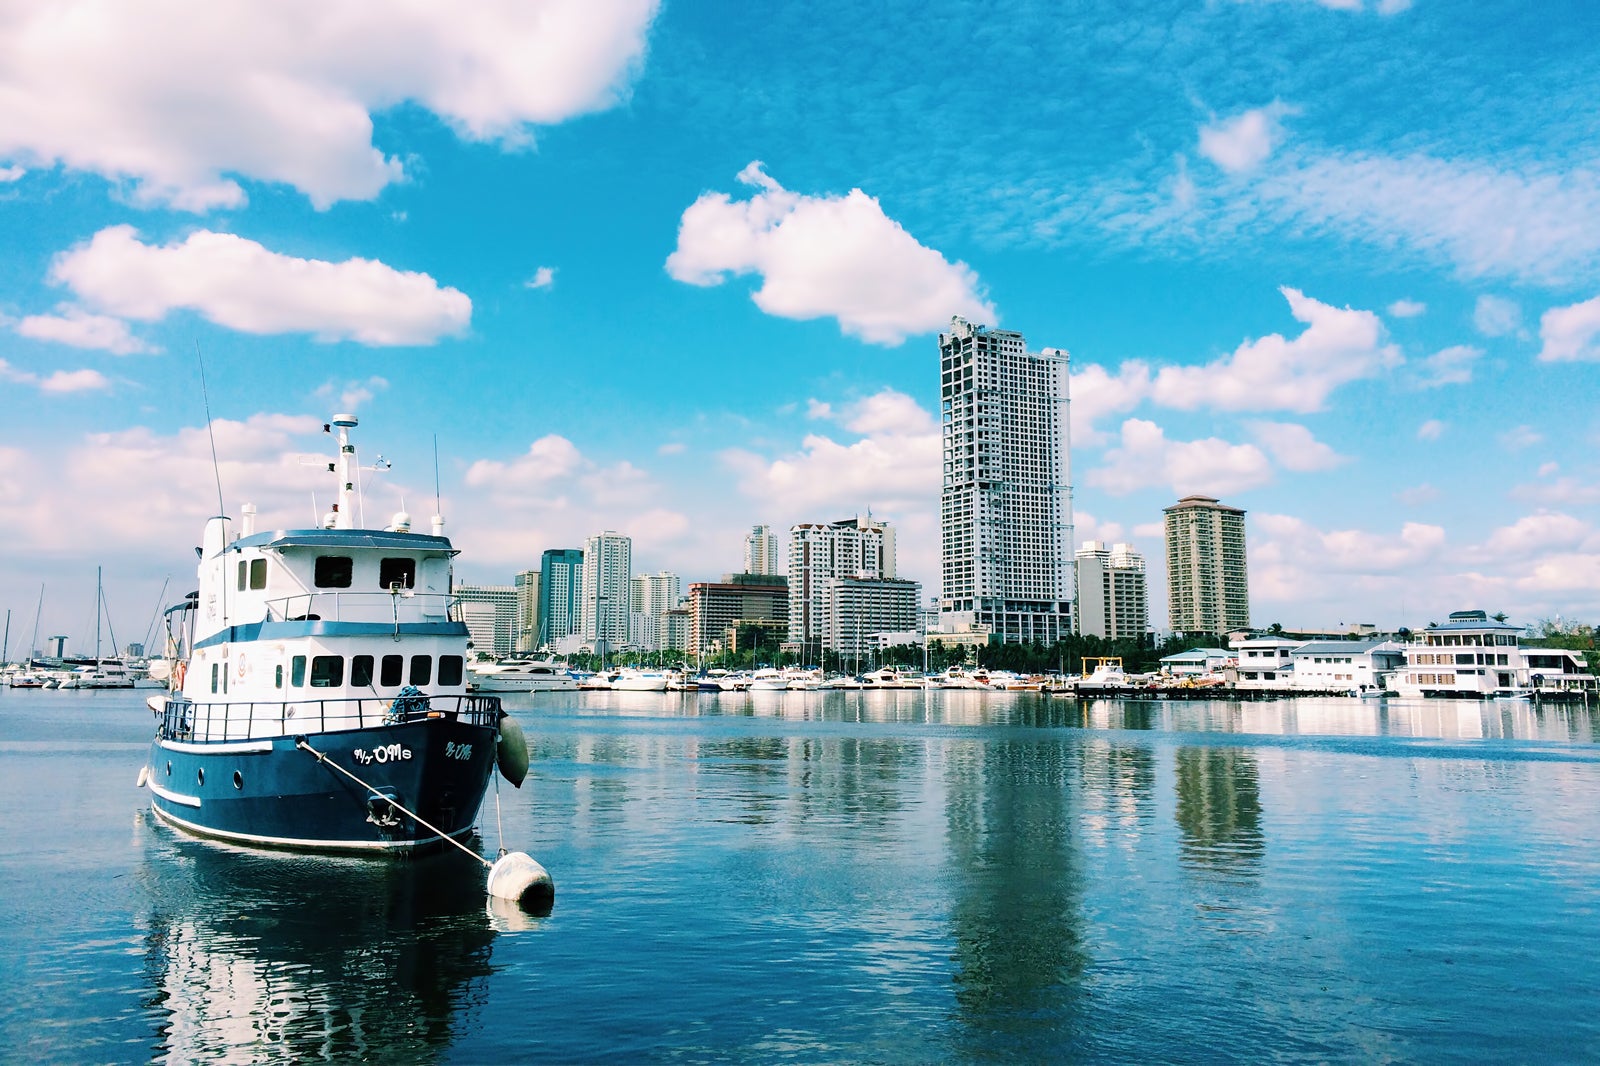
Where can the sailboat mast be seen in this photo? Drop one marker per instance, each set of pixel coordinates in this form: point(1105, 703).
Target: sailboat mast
point(97, 594)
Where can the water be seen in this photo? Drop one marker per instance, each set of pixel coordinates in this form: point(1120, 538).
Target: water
point(848, 877)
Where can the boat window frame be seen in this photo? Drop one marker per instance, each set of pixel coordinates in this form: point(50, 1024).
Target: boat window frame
point(297, 671)
point(258, 575)
point(388, 578)
point(422, 676)
point(329, 567)
point(452, 668)
point(361, 671)
point(392, 671)
point(327, 671)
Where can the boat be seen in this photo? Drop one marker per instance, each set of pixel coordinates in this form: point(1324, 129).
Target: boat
point(768, 679)
point(520, 675)
point(1106, 676)
point(632, 679)
point(318, 697)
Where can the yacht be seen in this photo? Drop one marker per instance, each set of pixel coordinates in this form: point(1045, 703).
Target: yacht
point(520, 675)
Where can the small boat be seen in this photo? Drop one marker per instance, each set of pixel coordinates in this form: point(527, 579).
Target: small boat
point(1106, 676)
point(631, 679)
point(520, 675)
point(768, 679)
point(318, 697)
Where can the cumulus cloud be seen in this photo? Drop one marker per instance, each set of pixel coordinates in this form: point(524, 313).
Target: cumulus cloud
point(1543, 532)
point(1144, 458)
point(1407, 308)
point(239, 284)
point(1496, 316)
point(825, 256)
point(10, 174)
point(542, 278)
point(1294, 448)
point(1244, 141)
point(1450, 366)
point(1096, 393)
point(351, 395)
point(1561, 492)
point(180, 100)
point(1568, 333)
point(1293, 540)
point(548, 459)
point(1338, 346)
point(60, 381)
point(78, 328)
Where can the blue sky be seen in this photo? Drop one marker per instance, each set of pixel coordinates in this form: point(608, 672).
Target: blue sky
point(677, 269)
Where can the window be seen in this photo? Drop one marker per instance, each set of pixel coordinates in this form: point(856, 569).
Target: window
point(327, 671)
point(361, 671)
point(243, 567)
point(334, 571)
point(258, 573)
point(450, 667)
point(421, 669)
point(401, 572)
point(393, 671)
point(297, 672)
point(213, 677)
point(277, 680)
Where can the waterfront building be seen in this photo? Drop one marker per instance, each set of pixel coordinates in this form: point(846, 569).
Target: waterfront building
point(1265, 662)
point(1208, 581)
point(1558, 670)
point(1347, 665)
point(717, 608)
point(653, 595)
point(1005, 509)
point(761, 552)
point(490, 612)
point(1197, 662)
point(853, 547)
point(527, 635)
point(1113, 599)
point(607, 590)
point(1471, 655)
point(560, 596)
point(675, 636)
point(853, 610)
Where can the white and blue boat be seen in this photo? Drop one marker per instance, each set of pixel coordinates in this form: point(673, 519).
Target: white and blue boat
point(319, 697)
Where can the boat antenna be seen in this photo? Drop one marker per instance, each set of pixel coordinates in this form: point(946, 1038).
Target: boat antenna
point(205, 398)
point(155, 617)
point(33, 641)
point(438, 507)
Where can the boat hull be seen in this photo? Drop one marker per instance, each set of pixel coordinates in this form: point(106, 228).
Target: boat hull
point(269, 792)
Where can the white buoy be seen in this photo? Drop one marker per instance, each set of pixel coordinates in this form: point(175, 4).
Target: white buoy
point(516, 876)
point(144, 776)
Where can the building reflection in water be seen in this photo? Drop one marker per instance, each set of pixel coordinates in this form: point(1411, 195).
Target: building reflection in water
point(1017, 898)
point(1219, 812)
point(260, 957)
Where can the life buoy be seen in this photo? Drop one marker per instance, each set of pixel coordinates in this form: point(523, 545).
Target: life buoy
point(239, 668)
point(179, 672)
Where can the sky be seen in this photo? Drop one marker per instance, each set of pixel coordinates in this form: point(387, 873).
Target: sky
point(674, 269)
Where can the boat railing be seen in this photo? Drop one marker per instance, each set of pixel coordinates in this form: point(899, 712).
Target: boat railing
point(185, 719)
point(400, 606)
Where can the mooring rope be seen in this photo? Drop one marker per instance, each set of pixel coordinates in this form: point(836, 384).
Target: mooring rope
point(324, 760)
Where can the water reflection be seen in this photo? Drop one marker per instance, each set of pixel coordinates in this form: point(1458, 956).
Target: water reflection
point(1017, 908)
point(1219, 811)
point(258, 957)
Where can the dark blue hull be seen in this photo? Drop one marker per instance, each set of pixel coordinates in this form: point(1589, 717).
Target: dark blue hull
point(270, 792)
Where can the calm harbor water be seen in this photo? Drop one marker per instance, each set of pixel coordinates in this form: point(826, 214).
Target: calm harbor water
point(848, 877)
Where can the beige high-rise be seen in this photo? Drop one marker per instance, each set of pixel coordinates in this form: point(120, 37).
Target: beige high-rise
point(1208, 577)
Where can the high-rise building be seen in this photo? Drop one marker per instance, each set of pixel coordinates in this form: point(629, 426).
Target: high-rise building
point(1005, 512)
point(854, 547)
point(1208, 579)
point(527, 635)
point(560, 596)
point(855, 609)
point(607, 588)
point(490, 612)
point(717, 608)
point(761, 552)
point(653, 595)
point(1113, 600)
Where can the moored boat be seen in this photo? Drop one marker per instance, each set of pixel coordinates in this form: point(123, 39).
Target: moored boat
point(520, 675)
point(319, 697)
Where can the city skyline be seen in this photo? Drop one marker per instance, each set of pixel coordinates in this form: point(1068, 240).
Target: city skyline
point(1329, 260)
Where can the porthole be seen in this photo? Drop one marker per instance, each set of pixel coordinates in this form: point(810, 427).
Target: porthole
point(200, 775)
point(238, 780)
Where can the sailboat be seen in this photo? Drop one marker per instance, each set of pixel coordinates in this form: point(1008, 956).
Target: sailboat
point(103, 673)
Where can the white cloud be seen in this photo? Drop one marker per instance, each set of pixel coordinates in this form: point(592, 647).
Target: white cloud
point(825, 256)
point(1096, 394)
point(1569, 333)
point(1294, 448)
point(542, 278)
point(1543, 532)
point(78, 328)
point(1144, 458)
point(1293, 540)
point(180, 99)
point(239, 284)
point(351, 395)
point(1496, 316)
point(1338, 346)
point(1520, 437)
point(1562, 492)
point(1432, 429)
point(1451, 366)
point(1407, 308)
point(549, 459)
point(1245, 141)
point(60, 381)
point(818, 409)
point(10, 174)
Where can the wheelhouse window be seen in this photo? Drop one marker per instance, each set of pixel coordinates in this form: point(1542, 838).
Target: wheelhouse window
point(334, 571)
point(327, 671)
point(397, 572)
point(393, 671)
point(258, 573)
point(297, 671)
point(450, 668)
point(361, 671)
point(421, 669)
